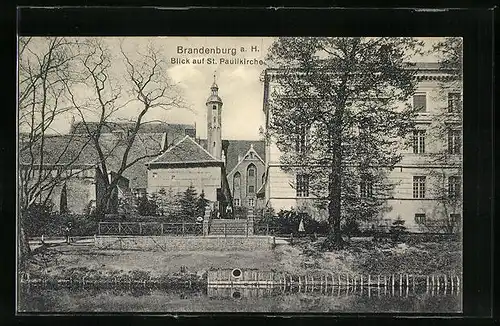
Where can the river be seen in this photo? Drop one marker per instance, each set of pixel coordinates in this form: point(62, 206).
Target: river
point(267, 300)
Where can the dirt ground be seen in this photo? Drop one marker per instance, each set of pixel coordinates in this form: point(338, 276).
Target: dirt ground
point(361, 257)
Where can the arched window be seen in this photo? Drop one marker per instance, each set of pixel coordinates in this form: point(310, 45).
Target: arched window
point(236, 185)
point(251, 179)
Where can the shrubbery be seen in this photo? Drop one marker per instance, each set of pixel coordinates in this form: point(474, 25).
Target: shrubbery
point(40, 220)
point(181, 207)
point(287, 221)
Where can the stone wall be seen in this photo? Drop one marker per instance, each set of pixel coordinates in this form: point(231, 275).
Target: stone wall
point(178, 179)
point(185, 243)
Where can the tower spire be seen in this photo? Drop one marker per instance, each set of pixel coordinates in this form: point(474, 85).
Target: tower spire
point(214, 125)
point(214, 87)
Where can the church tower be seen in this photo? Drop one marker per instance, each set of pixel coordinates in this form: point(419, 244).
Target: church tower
point(214, 123)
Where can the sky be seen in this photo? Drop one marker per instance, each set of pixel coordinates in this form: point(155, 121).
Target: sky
point(239, 84)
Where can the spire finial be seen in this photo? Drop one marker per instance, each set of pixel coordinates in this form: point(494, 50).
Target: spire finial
point(214, 87)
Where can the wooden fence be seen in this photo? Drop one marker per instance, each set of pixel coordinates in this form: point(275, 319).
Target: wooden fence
point(149, 228)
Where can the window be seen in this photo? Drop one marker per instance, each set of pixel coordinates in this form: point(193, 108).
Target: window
point(418, 141)
point(251, 179)
point(155, 175)
point(236, 202)
point(251, 202)
point(418, 187)
point(366, 187)
point(454, 187)
point(215, 121)
point(301, 140)
point(420, 102)
point(453, 102)
point(236, 183)
point(420, 218)
point(454, 142)
point(302, 188)
point(214, 107)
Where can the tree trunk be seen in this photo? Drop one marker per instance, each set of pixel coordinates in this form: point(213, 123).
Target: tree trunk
point(24, 248)
point(334, 192)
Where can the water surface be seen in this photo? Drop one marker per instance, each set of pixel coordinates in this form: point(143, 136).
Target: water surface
point(278, 300)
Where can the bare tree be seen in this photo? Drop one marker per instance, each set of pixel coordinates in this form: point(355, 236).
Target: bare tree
point(46, 67)
point(148, 88)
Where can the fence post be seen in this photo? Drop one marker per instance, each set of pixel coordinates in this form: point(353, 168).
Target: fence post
point(119, 228)
point(224, 229)
point(183, 228)
point(267, 229)
point(140, 228)
point(99, 228)
point(291, 239)
point(161, 228)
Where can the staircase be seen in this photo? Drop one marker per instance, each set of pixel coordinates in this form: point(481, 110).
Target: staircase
point(229, 227)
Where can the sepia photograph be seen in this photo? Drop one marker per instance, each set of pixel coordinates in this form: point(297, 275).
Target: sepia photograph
point(239, 174)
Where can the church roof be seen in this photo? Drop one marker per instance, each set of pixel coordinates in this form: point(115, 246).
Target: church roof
point(236, 148)
point(146, 127)
point(75, 150)
point(185, 151)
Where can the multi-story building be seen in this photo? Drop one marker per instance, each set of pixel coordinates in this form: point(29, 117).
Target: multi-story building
point(426, 182)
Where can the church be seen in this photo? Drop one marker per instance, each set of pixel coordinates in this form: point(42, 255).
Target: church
point(167, 156)
point(229, 172)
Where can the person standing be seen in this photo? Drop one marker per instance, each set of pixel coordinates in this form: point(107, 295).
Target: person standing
point(67, 232)
point(301, 227)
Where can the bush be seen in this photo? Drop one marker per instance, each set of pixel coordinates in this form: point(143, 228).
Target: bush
point(40, 220)
point(287, 221)
point(398, 230)
point(351, 228)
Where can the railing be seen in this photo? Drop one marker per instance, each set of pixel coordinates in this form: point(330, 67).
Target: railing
point(149, 228)
point(231, 227)
point(266, 229)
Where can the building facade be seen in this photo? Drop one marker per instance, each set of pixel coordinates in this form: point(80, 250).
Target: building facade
point(426, 183)
point(246, 179)
point(183, 165)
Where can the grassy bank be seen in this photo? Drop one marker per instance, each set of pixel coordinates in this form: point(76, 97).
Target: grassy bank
point(365, 256)
point(360, 257)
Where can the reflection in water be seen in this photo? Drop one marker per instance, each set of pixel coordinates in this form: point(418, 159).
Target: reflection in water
point(237, 292)
point(241, 299)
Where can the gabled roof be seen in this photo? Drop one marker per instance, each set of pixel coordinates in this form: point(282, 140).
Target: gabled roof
point(185, 151)
point(238, 148)
point(250, 150)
